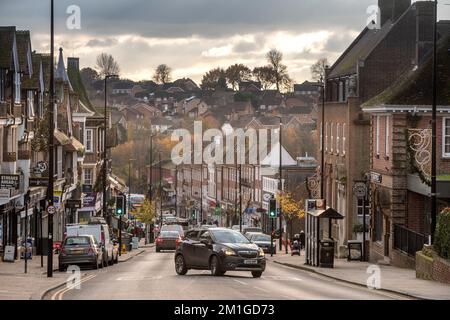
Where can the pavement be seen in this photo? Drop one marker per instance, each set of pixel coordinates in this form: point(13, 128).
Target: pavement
point(152, 276)
point(392, 279)
point(16, 285)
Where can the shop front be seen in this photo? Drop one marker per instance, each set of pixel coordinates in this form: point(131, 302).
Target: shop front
point(91, 207)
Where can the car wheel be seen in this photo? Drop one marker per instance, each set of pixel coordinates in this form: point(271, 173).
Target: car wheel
point(256, 274)
point(95, 265)
point(215, 266)
point(111, 261)
point(61, 268)
point(180, 265)
point(158, 249)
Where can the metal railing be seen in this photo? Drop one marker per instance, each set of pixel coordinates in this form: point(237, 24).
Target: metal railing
point(408, 241)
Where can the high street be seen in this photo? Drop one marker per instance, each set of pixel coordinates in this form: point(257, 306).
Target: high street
point(152, 276)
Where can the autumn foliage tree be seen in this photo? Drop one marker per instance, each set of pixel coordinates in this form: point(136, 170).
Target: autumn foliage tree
point(291, 209)
point(146, 213)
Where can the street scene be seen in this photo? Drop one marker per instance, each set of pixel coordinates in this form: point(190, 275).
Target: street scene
point(225, 150)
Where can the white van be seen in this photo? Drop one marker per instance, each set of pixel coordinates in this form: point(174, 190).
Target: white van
point(101, 234)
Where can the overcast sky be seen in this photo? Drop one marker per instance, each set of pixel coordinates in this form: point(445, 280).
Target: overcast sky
point(193, 36)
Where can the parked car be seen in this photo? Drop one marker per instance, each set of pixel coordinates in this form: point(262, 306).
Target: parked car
point(173, 227)
point(249, 234)
point(168, 240)
point(237, 227)
point(219, 250)
point(251, 229)
point(100, 231)
point(78, 250)
point(263, 241)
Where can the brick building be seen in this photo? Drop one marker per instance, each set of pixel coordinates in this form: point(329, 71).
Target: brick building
point(372, 63)
point(401, 159)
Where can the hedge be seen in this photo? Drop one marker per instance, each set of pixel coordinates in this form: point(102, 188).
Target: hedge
point(442, 234)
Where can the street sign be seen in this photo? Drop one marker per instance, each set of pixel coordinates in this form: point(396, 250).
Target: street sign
point(38, 182)
point(73, 203)
point(360, 189)
point(51, 209)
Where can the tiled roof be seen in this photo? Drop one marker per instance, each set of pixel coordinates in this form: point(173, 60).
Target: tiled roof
point(6, 46)
point(23, 47)
point(33, 82)
point(307, 86)
point(414, 87)
point(361, 47)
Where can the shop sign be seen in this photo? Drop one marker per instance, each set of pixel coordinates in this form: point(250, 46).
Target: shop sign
point(376, 177)
point(10, 181)
point(89, 200)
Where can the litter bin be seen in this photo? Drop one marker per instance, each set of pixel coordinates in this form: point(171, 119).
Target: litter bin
point(326, 254)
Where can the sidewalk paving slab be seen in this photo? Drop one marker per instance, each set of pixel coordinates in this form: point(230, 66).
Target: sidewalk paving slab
point(393, 279)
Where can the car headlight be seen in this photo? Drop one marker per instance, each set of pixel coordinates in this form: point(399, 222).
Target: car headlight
point(261, 252)
point(229, 252)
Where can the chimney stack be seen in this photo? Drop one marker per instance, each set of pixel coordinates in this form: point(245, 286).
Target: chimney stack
point(73, 63)
point(392, 9)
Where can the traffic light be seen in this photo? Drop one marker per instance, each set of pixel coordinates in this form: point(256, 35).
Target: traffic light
point(272, 208)
point(120, 205)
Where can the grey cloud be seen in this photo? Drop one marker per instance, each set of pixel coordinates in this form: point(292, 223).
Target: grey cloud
point(101, 42)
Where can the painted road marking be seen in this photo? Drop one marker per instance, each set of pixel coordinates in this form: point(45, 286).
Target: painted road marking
point(241, 282)
point(58, 295)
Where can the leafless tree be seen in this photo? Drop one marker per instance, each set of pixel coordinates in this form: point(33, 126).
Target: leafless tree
point(162, 74)
point(281, 76)
point(107, 65)
point(318, 69)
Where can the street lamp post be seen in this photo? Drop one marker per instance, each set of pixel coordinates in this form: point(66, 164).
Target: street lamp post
point(280, 165)
point(105, 124)
point(433, 129)
point(129, 185)
point(160, 187)
point(51, 148)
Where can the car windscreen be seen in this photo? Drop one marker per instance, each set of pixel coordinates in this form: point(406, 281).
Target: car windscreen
point(77, 241)
point(169, 234)
point(226, 236)
point(260, 237)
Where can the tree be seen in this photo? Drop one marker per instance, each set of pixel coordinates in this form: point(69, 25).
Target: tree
point(162, 74)
point(238, 73)
point(214, 79)
point(318, 69)
point(146, 213)
point(89, 75)
point(291, 209)
point(281, 76)
point(264, 75)
point(107, 65)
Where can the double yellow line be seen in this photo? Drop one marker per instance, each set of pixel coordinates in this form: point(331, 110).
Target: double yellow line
point(58, 295)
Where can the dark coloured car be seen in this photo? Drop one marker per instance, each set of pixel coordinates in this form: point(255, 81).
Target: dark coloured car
point(263, 241)
point(80, 250)
point(167, 240)
point(219, 250)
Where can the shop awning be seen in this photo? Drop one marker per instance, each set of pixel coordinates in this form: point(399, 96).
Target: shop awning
point(329, 213)
point(75, 145)
point(61, 137)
